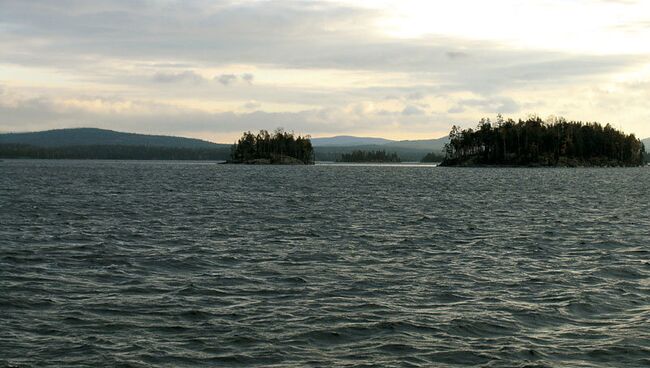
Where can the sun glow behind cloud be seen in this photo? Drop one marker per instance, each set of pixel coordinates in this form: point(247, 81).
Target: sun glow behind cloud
point(598, 27)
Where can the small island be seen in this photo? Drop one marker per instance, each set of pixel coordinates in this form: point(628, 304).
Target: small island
point(279, 148)
point(359, 156)
point(534, 142)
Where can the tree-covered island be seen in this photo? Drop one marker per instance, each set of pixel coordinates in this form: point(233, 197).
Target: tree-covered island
point(369, 156)
point(534, 142)
point(279, 148)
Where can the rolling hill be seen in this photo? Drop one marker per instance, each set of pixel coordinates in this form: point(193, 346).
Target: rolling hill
point(101, 137)
point(100, 144)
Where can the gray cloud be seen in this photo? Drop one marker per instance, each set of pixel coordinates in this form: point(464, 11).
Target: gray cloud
point(252, 105)
point(284, 34)
point(248, 77)
point(415, 96)
point(229, 79)
point(456, 110)
point(186, 76)
point(412, 110)
point(226, 79)
point(504, 105)
point(456, 54)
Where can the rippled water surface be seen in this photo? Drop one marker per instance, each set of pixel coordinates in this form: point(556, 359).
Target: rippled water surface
point(180, 264)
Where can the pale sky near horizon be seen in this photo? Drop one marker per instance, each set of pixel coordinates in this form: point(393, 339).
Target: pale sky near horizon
point(395, 69)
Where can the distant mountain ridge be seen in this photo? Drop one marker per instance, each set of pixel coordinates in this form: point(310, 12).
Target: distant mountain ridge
point(348, 140)
point(352, 141)
point(101, 137)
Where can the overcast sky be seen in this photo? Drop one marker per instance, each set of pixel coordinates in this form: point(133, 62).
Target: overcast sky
point(396, 69)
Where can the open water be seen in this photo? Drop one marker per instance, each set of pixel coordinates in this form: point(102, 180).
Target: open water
point(172, 264)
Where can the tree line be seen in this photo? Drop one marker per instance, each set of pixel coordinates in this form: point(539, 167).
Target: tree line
point(433, 157)
point(273, 147)
point(112, 152)
point(369, 156)
point(555, 142)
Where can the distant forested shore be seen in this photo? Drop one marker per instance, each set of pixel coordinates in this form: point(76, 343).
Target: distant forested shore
point(112, 152)
point(369, 156)
point(534, 142)
point(264, 148)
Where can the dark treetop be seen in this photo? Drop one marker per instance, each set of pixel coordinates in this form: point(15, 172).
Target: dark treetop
point(278, 148)
point(369, 156)
point(533, 142)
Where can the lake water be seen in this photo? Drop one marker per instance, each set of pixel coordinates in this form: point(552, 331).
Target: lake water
point(139, 264)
